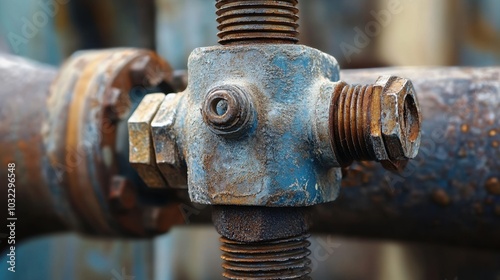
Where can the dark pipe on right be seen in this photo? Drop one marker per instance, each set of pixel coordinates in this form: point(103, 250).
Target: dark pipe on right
point(449, 194)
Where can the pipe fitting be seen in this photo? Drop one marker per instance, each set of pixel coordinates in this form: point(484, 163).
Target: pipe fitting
point(379, 122)
point(228, 111)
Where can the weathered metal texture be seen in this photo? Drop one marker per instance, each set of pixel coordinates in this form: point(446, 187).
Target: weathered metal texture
point(266, 242)
point(24, 90)
point(375, 122)
point(167, 152)
point(282, 83)
point(93, 91)
point(67, 143)
point(257, 21)
point(141, 150)
point(255, 223)
point(154, 151)
point(451, 192)
point(285, 258)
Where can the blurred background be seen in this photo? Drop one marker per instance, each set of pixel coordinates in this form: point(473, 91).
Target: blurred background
point(359, 33)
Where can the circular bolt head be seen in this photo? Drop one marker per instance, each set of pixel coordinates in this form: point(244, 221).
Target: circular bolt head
point(227, 111)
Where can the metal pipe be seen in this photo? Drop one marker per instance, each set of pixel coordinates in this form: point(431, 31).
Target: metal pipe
point(450, 196)
point(450, 193)
point(65, 134)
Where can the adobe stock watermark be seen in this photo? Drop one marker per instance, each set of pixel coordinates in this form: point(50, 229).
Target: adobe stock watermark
point(363, 37)
point(323, 249)
point(191, 210)
point(32, 25)
point(121, 275)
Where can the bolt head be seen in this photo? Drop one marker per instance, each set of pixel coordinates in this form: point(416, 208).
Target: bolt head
point(400, 118)
point(167, 154)
point(141, 151)
point(228, 111)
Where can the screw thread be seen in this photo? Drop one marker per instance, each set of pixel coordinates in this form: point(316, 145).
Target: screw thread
point(257, 21)
point(279, 259)
point(349, 123)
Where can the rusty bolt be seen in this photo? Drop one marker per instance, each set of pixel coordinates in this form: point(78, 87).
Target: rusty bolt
point(121, 194)
point(379, 122)
point(400, 117)
point(228, 111)
point(257, 22)
point(167, 153)
point(141, 151)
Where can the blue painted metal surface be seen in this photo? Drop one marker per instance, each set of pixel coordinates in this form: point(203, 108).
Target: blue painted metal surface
point(276, 164)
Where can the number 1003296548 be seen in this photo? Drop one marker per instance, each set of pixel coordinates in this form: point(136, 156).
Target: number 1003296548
point(11, 188)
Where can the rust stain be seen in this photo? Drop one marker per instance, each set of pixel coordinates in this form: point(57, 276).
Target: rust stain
point(440, 197)
point(493, 186)
point(464, 128)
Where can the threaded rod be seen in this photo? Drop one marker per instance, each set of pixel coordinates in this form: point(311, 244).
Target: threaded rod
point(257, 21)
point(350, 114)
point(278, 259)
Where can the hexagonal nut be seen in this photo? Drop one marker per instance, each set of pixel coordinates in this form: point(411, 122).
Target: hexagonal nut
point(400, 118)
point(376, 140)
point(141, 151)
point(168, 158)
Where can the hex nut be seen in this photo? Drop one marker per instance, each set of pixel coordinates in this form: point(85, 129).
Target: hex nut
point(141, 152)
point(400, 118)
point(376, 140)
point(168, 158)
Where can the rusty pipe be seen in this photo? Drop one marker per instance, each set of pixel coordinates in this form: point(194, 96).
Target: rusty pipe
point(451, 193)
point(65, 133)
point(450, 197)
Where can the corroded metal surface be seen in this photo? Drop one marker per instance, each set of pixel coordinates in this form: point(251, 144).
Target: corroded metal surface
point(168, 158)
point(141, 150)
point(375, 122)
point(72, 175)
point(257, 21)
point(254, 223)
point(283, 85)
point(279, 259)
point(263, 242)
point(449, 193)
point(89, 100)
point(25, 87)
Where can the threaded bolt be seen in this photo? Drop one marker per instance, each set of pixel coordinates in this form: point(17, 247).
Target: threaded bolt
point(263, 242)
point(257, 21)
point(278, 259)
point(375, 122)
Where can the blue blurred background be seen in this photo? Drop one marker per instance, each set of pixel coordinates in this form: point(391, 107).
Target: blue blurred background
point(399, 32)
